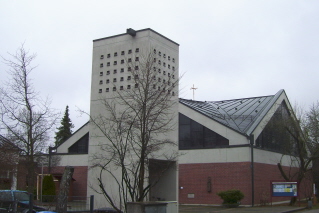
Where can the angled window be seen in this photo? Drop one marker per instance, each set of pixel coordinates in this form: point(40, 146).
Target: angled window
point(193, 135)
point(81, 146)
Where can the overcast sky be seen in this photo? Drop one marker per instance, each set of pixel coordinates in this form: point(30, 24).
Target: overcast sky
point(228, 49)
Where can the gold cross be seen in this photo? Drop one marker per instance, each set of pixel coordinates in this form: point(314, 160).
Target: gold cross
point(193, 88)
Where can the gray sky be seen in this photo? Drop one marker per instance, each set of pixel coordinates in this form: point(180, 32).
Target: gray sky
point(228, 49)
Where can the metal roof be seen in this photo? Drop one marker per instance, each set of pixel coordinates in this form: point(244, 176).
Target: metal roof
point(241, 115)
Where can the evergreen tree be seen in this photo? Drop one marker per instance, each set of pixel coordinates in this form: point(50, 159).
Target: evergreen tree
point(48, 189)
point(64, 131)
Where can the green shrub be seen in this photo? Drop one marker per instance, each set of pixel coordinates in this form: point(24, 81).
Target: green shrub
point(48, 189)
point(231, 196)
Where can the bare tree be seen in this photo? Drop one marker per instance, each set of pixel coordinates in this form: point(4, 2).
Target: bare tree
point(26, 119)
point(288, 133)
point(134, 125)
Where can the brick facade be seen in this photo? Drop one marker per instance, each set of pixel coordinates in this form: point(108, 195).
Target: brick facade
point(193, 179)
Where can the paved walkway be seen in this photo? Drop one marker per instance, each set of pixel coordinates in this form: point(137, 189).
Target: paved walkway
point(267, 209)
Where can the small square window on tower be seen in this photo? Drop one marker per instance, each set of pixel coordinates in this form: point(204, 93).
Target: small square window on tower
point(154, 51)
point(164, 64)
point(164, 73)
point(169, 58)
point(109, 55)
point(163, 81)
point(101, 73)
point(159, 62)
point(173, 68)
point(154, 59)
point(159, 79)
point(107, 81)
point(173, 60)
point(122, 61)
point(154, 68)
point(114, 79)
point(159, 70)
point(154, 86)
point(101, 82)
point(129, 60)
point(169, 66)
point(137, 50)
point(129, 77)
point(122, 69)
point(101, 65)
point(121, 88)
point(115, 63)
point(100, 90)
point(108, 64)
point(136, 77)
point(108, 72)
point(114, 71)
point(169, 74)
point(136, 59)
point(107, 89)
point(122, 79)
point(164, 55)
point(128, 86)
point(123, 53)
point(114, 88)
point(129, 69)
point(129, 51)
point(102, 56)
point(136, 85)
point(136, 67)
point(159, 53)
point(115, 54)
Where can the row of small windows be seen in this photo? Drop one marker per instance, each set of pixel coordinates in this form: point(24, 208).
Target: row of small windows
point(137, 68)
point(135, 77)
point(136, 86)
point(122, 53)
point(164, 55)
point(137, 59)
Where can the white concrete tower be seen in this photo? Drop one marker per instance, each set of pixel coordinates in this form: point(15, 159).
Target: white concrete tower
point(111, 74)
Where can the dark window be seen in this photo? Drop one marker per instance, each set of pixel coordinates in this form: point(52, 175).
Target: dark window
point(101, 73)
point(154, 51)
point(128, 86)
point(122, 61)
point(100, 90)
point(136, 85)
point(164, 55)
point(137, 50)
point(129, 60)
point(107, 90)
point(136, 77)
point(169, 58)
point(136, 67)
point(101, 82)
point(129, 51)
point(129, 77)
point(81, 146)
point(136, 59)
point(108, 55)
point(122, 69)
point(114, 88)
point(123, 53)
point(275, 136)
point(114, 71)
point(121, 87)
point(114, 79)
point(101, 65)
point(102, 56)
point(108, 64)
point(115, 63)
point(107, 81)
point(169, 66)
point(122, 79)
point(115, 54)
point(164, 73)
point(193, 135)
point(129, 69)
point(108, 72)
point(164, 64)
point(159, 53)
point(173, 59)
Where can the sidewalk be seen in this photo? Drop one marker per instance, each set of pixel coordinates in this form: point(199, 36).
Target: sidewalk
point(264, 209)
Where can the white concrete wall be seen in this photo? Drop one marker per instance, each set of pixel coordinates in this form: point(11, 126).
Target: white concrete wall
point(74, 160)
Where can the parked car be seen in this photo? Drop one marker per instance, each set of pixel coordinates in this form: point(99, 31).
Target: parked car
point(10, 198)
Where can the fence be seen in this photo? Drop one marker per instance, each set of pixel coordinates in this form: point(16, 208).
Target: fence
point(74, 203)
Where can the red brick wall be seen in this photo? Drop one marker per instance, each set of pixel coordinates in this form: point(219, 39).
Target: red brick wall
point(193, 178)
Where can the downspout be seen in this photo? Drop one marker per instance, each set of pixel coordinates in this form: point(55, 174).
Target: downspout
point(251, 139)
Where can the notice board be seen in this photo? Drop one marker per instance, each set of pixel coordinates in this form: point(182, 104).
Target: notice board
point(284, 189)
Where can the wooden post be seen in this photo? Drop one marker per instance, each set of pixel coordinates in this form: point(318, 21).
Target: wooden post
point(62, 201)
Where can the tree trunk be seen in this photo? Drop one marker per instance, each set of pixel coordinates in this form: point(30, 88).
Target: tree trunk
point(61, 206)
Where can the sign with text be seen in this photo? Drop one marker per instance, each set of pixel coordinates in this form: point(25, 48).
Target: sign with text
point(284, 189)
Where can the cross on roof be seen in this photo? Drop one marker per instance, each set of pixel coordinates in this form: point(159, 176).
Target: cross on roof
point(193, 88)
